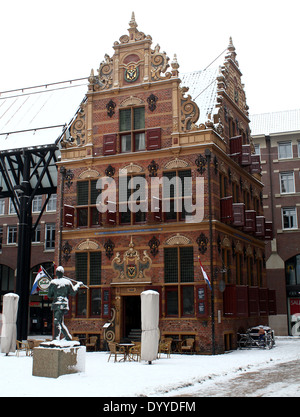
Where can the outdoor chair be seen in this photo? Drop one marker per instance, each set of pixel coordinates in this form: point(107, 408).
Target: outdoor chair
point(188, 345)
point(135, 352)
point(116, 351)
point(92, 342)
point(165, 347)
point(22, 346)
point(32, 343)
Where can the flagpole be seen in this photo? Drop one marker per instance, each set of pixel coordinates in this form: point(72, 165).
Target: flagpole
point(63, 277)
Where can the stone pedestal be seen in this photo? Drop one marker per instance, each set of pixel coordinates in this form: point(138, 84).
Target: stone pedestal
point(52, 360)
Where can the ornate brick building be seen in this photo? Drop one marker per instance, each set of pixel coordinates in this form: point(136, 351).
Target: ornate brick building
point(139, 131)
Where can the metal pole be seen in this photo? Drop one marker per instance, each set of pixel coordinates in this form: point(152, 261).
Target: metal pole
point(62, 189)
point(208, 158)
point(24, 252)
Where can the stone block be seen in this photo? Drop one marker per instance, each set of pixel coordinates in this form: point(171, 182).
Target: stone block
point(54, 361)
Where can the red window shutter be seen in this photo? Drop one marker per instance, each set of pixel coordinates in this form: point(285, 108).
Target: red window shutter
point(263, 301)
point(111, 218)
point(260, 226)
point(253, 301)
point(242, 301)
point(105, 303)
point(69, 214)
point(238, 214)
point(201, 301)
point(272, 302)
point(109, 144)
point(268, 231)
point(153, 139)
point(235, 145)
point(255, 167)
point(250, 221)
point(226, 209)
point(246, 155)
point(229, 301)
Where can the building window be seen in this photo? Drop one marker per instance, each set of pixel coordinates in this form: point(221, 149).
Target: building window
point(11, 235)
point(257, 149)
point(51, 206)
point(250, 276)
point(179, 268)
point(87, 214)
point(37, 204)
point(132, 129)
point(289, 218)
point(177, 195)
point(37, 234)
point(88, 271)
point(135, 211)
point(12, 209)
point(292, 270)
point(1, 237)
point(238, 269)
point(287, 182)
point(7, 279)
point(2, 206)
point(226, 263)
point(50, 236)
point(285, 150)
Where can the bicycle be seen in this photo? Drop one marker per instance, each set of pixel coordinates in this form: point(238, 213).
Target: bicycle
point(246, 341)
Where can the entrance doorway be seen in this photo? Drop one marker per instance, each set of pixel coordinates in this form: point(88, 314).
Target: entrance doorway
point(132, 315)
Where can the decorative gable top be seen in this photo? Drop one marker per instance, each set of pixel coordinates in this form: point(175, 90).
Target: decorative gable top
point(134, 62)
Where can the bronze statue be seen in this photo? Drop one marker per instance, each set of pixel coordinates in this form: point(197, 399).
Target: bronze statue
point(59, 289)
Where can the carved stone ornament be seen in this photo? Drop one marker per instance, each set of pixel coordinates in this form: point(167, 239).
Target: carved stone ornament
point(110, 106)
point(109, 248)
point(154, 244)
point(189, 111)
point(200, 163)
point(110, 171)
point(132, 267)
point(66, 249)
point(159, 65)
point(153, 168)
point(202, 242)
point(151, 100)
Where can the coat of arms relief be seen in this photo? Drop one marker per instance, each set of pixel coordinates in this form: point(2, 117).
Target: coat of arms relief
point(132, 267)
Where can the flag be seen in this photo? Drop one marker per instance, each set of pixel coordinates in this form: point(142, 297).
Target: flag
point(39, 275)
point(207, 280)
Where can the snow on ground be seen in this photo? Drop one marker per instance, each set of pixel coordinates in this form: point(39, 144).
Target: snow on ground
point(178, 375)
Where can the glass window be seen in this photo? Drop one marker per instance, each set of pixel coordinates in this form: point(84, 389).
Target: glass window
point(132, 121)
point(187, 300)
point(11, 234)
point(172, 301)
point(257, 149)
point(37, 204)
point(292, 270)
point(51, 206)
point(285, 150)
point(37, 234)
point(87, 195)
point(289, 218)
point(50, 236)
point(2, 206)
point(287, 183)
point(12, 209)
point(1, 237)
point(95, 309)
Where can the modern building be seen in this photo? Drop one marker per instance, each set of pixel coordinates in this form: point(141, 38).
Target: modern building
point(276, 137)
point(157, 172)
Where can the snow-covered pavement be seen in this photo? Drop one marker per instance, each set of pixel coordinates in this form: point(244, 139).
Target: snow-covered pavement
point(166, 377)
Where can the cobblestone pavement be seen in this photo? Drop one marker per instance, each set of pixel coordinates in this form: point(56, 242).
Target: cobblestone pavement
point(279, 380)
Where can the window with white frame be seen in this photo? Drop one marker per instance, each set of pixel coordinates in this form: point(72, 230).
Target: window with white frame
point(37, 234)
point(285, 150)
point(2, 206)
point(12, 209)
point(50, 236)
point(298, 145)
point(51, 206)
point(257, 149)
point(289, 218)
point(37, 204)
point(287, 182)
point(11, 235)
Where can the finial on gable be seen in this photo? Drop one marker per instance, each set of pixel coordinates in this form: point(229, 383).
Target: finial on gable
point(132, 22)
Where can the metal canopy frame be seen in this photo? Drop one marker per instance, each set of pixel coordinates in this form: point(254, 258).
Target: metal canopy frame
point(27, 173)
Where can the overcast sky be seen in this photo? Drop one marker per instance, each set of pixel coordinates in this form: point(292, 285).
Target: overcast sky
point(44, 42)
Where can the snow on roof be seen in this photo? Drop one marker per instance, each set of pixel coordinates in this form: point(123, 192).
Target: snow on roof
point(276, 122)
point(203, 90)
point(35, 116)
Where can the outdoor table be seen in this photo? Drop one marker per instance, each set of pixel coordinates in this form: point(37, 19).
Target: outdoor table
point(127, 346)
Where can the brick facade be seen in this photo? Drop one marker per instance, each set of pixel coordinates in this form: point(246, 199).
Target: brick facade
point(136, 76)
